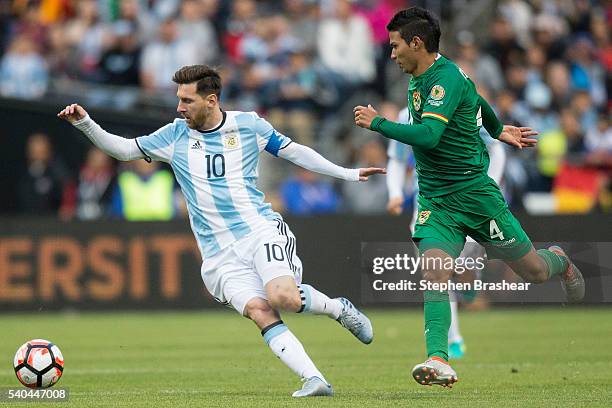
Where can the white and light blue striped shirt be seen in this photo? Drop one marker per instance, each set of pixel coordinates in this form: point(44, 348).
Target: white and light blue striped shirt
point(217, 172)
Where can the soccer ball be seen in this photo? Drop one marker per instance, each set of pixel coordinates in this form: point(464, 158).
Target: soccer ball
point(38, 364)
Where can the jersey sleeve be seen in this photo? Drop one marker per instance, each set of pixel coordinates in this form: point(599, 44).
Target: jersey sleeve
point(445, 93)
point(268, 138)
point(159, 145)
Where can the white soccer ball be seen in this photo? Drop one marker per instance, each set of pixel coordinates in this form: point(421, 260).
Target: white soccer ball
point(38, 364)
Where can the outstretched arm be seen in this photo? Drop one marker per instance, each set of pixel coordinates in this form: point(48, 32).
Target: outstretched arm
point(426, 135)
point(307, 158)
point(116, 146)
point(514, 136)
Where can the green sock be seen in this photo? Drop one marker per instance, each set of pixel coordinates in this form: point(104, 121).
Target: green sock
point(437, 322)
point(557, 264)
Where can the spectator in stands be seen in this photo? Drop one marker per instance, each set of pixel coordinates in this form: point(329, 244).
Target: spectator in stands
point(244, 88)
point(373, 198)
point(520, 16)
point(574, 134)
point(306, 194)
point(240, 22)
point(558, 80)
point(483, 69)
point(162, 57)
point(536, 64)
point(144, 192)
point(292, 108)
point(95, 186)
point(140, 17)
point(517, 77)
point(582, 104)
point(601, 35)
point(549, 31)
point(23, 71)
point(555, 146)
point(346, 47)
point(506, 108)
point(29, 23)
point(120, 63)
point(86, 34)
point(585, 71)
point(503, 44)
point(42, 184)
point(61, 60)
point(378, 14)
point(599, 137)
point(192, 24)
point(269, 46)
point(536, 111)
point(303, 16)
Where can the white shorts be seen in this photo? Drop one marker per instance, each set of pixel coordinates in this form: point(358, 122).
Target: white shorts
point(240, 272)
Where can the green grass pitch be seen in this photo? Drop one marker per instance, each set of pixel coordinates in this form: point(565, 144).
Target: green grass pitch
point(519, 357)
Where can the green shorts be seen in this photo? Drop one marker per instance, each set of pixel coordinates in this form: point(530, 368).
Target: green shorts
point(480, 212)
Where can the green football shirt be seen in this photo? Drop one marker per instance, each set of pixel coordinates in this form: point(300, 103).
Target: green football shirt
point(460, 160)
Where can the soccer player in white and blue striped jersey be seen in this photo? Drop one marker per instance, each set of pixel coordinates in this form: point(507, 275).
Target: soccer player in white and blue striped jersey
point(248, 252)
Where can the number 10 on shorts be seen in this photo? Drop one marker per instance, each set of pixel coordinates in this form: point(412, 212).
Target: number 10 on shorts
point(274, 251)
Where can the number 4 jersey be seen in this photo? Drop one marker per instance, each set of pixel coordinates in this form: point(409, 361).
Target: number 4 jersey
point(460, 160)
point(217, 172)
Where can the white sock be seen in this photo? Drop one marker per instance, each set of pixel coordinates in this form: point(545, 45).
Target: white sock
point(316, 302)
point(454, 336)
point(289, 349)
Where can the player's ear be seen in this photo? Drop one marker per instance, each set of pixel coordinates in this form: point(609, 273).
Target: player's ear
point(212, 100)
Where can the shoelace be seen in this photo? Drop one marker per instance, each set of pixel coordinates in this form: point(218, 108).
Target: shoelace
point(352, 318)
point(308, 385)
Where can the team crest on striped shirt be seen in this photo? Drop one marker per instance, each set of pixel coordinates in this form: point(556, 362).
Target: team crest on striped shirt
point(424, 216)
point(231, 141)
point(416, 100)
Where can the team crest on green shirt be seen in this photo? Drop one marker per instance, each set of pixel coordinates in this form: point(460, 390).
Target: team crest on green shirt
point(416, 100)
point(437, 92)
point(424, 216)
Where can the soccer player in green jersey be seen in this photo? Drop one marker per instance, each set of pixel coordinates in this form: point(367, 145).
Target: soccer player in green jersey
point(456, 197)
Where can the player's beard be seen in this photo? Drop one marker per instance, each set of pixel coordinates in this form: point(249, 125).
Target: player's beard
point(196, 121)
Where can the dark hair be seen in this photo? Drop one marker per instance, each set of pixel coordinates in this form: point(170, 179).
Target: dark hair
point(207, 78)
point(417, 22)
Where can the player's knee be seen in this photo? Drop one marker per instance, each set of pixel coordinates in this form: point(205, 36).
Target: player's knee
point(437, 275)
point(437, 266)
point(285, 298)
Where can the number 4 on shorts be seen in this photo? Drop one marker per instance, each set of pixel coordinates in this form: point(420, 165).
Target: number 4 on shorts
point(495, 231)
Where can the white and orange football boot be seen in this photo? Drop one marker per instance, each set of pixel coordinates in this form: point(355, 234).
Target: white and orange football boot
point(435, 371)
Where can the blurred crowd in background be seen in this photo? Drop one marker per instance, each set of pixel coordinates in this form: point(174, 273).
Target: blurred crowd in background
point(304, 64)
